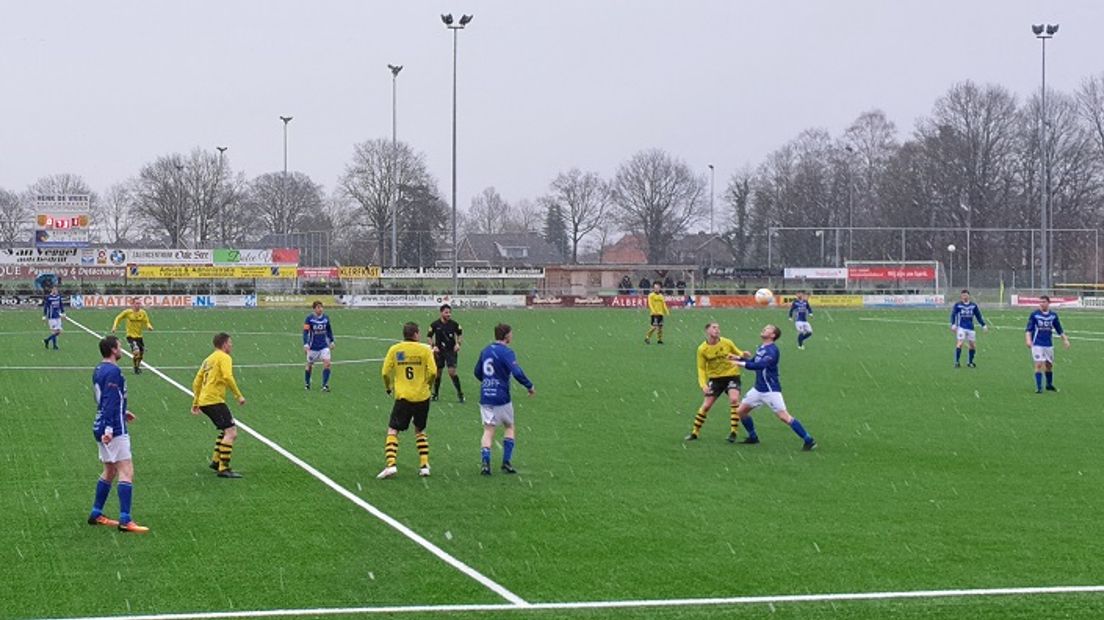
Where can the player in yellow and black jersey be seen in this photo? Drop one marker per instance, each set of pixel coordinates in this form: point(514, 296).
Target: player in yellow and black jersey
point(215, 376)
point(408, 372)
point(657, 308)
point(137, 320)
point(717, 375)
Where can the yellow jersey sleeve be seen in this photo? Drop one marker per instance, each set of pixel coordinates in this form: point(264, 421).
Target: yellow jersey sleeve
point(197, 386)
point(122, 315)
point(388, 368)
point(226, 369)
point(702, 378)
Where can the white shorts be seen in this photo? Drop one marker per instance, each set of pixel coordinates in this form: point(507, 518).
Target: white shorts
point(55, 324)
point(754, 398)
point(321, 355)
point(117, 450)
point(1042, 354)
point(497, 415)
point(968, 335)
point(803, 327)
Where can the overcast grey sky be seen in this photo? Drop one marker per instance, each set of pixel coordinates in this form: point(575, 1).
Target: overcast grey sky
point(98, 88)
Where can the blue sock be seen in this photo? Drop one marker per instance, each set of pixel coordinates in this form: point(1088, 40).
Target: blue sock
point(958, 354)
point(749, 426)
point(1050, 379)
point(800, 430)
point(103, 489)
point(125, 491)
point(486, 452)
point(306, 376)
point(325, 377)
point(971, 358)
point(507, 449)
point(1038, 381)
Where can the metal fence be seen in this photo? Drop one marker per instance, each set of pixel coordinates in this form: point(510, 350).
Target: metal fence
point(982, 257)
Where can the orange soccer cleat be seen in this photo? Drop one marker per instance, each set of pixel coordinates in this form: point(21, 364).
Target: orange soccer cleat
point(102, 520)
point(132, 527)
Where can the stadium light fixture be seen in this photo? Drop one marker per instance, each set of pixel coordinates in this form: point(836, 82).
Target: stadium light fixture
point(1044, 32)
point(464, 20)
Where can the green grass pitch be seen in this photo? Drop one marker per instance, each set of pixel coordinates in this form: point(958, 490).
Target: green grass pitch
point(926, 477)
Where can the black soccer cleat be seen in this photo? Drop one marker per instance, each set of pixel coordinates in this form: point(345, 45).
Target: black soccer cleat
point(229, 473)
point(751, 440)
point(485, 470)
point(647, 341)
point(1039, 391)
point(957, 365)
point(137, 370)
point(46, 343)
point(732, 437)
point(971, 365)
point(659, 342)
point(306, 387)
point(1051, 388)
point(691, 437)
point(461, 399)
point(508, 468)
point(325, 388)
point(809, 445)
point(213, 465)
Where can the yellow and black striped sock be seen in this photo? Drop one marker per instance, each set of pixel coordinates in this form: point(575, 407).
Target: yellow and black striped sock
point(699, 419)
point(218, 442)
point(423, 449)
point(660, 334)
point(225, 450)
point(391, 450)
point(734, 419)
point(651, 330)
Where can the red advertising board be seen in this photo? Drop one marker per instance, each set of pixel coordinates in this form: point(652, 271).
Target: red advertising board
point(891, 273)
point(728, 301)
point(317, 273)
point(285, 256)
point(641, 301)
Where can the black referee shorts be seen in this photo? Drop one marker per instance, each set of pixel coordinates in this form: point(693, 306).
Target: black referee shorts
point(446, 359)
point(219, 414)
point(404, 411)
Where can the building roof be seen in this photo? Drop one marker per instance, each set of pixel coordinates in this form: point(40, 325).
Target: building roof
point(508, 249)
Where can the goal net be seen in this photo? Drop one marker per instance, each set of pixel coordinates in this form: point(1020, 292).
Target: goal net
point(916, 277)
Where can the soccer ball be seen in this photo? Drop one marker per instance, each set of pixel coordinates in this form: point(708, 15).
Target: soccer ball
point(764, 296)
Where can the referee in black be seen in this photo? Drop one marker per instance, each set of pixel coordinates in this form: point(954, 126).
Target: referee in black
point(446, 336)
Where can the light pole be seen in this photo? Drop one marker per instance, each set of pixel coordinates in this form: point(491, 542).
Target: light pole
point(455, 28)
point(394, 164)
point(850, 206)
point(286, 119)
point(1043, 33)
point(218, 184)
point(712, 192)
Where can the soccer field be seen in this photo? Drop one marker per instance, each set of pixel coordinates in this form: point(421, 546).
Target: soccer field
point(926, 477)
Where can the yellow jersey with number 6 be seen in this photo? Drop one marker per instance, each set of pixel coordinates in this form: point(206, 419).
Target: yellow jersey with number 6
point(408, 370)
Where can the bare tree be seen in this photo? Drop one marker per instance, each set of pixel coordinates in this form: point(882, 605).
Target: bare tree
point(1090, 99)
point(373, 180)
point(524, 216)
point(115, 213)
point(161, 198)
point(739, 234)
point(283, 204)
point(583, 198)
point(658, 197)
point(489, 213)
point(15, 219)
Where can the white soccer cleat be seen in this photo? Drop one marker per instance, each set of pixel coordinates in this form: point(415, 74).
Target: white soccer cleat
point(387, 472)
point(424, 471)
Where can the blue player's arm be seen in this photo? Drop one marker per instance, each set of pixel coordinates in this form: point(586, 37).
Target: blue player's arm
point(793, 306)
point(809, 307)
point(46, 306)
point(479, 369)
point(519, 374)
point(954, 315)
point(61, 304)
point(1058, 326)
point(306, 332)
point(329, 333)
point(766, 362)
point(977, 314)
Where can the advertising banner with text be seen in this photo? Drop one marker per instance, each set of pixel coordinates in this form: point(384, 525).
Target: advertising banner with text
point(65, 272)
point(122, 301)
point(815, 273)
point(433, 301)
point(1055, 301)
point(139, 256)
point(828, 301)
point(204, 272)
point(891, 273)
point(294, 301)
point(318, 273)
point(370, 272)
point(40, 256)
point(897, 301)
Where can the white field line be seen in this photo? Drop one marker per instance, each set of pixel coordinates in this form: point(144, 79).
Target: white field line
point(273, 365)
point(290, 334)
point(349, 495)
point(1069, 332)
point(637, 604)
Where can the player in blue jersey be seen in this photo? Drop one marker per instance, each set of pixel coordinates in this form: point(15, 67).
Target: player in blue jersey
point(800, 313)
point(963, 315)
point(768, 388)
point(496, 364)
point(53, 311)
point(318, 340)
point(113, 438)
point(1039, 336)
